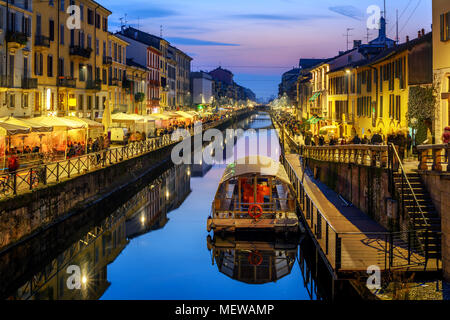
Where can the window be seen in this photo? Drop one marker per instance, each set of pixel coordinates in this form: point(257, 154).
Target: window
point(398, 108)
point(391, 106)
point(49, 66)
point(89, 105)
point(445, 27)
point(81, 72)
point(25, 100)
point(90, 16)
point(80, 102)
point(51, 3)
point(381, 107)
point(61, 67)
point(71, 69)
point(81, 12)
point(105, 24)
point(62, 5)
point(51, 30)
point(97, 21)
point(97, 46)
point(61, 34)
point(89, 41)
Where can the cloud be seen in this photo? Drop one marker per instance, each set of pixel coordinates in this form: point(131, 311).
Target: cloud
point(348, 11)
point(189, 29)
point(279, 17)
point(197, 42)
point(134, 10)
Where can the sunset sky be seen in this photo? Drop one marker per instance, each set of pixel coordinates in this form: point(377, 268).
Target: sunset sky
point(258, 40)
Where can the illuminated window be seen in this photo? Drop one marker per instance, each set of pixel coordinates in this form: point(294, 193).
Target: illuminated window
point(445, 26)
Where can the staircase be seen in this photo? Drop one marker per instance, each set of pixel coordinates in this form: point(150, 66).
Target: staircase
point(426, 219)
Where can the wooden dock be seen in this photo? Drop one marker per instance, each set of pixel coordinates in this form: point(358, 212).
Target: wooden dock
point(349, 239)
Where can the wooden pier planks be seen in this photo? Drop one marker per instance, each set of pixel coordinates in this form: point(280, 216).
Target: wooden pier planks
point(363, 240)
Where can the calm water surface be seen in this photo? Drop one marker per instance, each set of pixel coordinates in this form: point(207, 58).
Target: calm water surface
point(155, 246)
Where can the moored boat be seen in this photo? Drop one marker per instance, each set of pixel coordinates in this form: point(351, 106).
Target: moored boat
point(254, 194)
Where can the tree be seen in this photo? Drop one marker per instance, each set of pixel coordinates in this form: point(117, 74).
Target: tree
point(421, 110)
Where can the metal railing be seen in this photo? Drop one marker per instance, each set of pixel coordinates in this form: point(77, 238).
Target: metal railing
point(355, 251)
point(40, 176)
point(433, 157)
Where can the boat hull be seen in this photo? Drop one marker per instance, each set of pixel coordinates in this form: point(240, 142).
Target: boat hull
point(289, 224)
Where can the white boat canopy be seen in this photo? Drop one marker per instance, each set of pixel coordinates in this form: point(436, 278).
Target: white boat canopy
point(259, 165)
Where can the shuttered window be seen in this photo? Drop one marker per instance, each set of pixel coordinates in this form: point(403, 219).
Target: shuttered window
point(445, 26)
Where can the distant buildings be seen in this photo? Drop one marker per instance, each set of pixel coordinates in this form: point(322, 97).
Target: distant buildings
point(226, 91)
point(169, 69)
point(202, 88)
point(367, 88)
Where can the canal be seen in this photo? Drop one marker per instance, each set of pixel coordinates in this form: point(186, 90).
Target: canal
point(154, 245)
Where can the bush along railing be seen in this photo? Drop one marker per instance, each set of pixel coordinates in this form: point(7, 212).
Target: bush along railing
point(356, 251)
point(434, 157)
point(39, 176)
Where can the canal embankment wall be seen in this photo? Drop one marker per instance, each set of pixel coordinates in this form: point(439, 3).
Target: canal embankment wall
point(438, 186)
point(27, 214)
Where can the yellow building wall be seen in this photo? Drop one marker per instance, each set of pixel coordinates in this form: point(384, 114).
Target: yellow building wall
point(441, 67)
point(47, 86)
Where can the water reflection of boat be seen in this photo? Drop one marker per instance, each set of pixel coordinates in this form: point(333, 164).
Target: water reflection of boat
point(96, 247)
point(254, 193)
point(255, 261)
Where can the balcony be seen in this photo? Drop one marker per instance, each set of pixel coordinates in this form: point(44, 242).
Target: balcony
point(95, 85)
point(41, 43)
point(6, 81)
point(126, 84)
point(107, 60)
point(29, 83)
point(16, 40)
point(113, 82)
point(67, 82)
point(154, 83)
point(79, 52)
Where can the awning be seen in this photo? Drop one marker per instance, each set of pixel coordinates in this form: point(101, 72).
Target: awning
point(90, 123)
point(57, 122)
point(259, 165)
point(315, 96)
point(125, 117)
point(34, 127)
point(7, 129)
point(185, 115)
point(314, 120)
point(173, 115)
point(160, 116)
point(328, 128)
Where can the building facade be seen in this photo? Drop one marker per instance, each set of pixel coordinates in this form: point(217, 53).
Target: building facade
point(441, 66)
point(68, 63)
point(202, 88)
point(18, 86)
point(118, 95)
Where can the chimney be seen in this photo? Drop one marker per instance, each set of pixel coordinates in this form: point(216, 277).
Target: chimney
point(419, 34)
point(423, 32)
point(407, 39)
point(357, 43)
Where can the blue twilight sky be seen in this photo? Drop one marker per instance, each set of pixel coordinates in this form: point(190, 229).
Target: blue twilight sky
point(260, 39)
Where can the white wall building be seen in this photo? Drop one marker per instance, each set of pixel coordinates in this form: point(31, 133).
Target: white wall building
point(201, 87)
